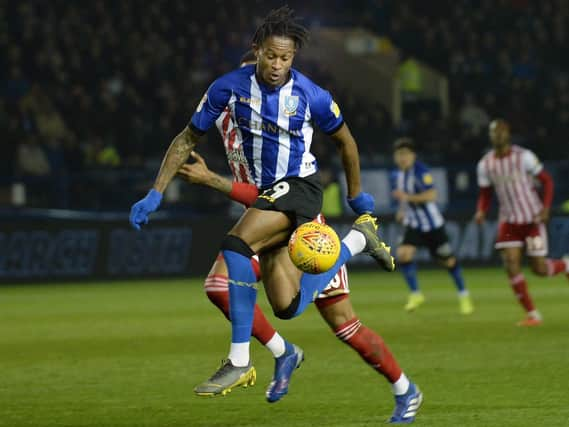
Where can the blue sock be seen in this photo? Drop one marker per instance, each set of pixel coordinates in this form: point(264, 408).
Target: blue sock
point(242, 295)
point(456, 273)
point(409, 270)
point(312, 284)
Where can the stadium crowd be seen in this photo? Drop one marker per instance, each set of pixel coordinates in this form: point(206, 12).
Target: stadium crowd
point(503, 59)
point(101, 85)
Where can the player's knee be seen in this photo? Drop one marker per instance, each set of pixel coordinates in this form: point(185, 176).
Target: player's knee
point(404, 255)
point(236, 244)
point(284, 314)
point(448, 262)
point(512, 267)
point(511, 263)
point(287, 312)
point(539, 269)
point(445, 255)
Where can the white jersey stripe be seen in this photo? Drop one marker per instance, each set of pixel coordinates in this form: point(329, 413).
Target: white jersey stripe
point(425, 225)
point(518, 185)
point(500, 172)
point(435, 214)
point(512, 177)
point(307, 157)
point(531, 195)
point(408, 188)
point(511, 189)
point(257, 133)
point(284, 137)
point(408, 217)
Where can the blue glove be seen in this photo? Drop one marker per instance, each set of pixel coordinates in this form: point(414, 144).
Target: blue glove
point(362, 203)
point(141, 209)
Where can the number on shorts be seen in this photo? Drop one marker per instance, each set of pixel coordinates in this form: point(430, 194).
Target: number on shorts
point(534, 243)
point(277, 190)
point(335, 282)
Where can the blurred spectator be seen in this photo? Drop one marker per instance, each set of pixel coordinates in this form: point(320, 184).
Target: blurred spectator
point(108, 156)
point(410, 79)
point(11, 135)
point(32, 159)
point(101, 154)
point(107, 84)
point(16, 85)
point(332, 195)
point(472, 117)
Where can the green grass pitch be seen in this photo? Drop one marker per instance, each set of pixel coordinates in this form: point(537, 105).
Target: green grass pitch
point(129, 354)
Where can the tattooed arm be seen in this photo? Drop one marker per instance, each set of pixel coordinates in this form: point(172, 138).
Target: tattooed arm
point(177, 154)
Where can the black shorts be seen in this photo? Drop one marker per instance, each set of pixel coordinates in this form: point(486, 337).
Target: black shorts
point(299, 198)
point(435, 240)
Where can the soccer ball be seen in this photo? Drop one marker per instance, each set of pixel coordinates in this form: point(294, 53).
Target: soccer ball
point(314, 247)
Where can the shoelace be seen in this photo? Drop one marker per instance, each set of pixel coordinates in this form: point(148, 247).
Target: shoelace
point(400, 406)
point(225, 367)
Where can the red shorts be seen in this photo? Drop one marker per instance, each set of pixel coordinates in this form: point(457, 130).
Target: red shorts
point(533, 236)
point(338, 285)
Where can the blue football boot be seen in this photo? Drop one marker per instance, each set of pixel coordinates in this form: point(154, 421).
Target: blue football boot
point(284, 367)
point(407, 405)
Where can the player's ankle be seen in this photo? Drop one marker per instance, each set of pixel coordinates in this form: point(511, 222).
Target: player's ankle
point(355, 241)
point(535, 314)
point(276, 345)
point(401, 386)
point(239, 354)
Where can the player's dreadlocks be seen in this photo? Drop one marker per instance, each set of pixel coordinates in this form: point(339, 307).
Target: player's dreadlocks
point(248, 56)
point(281, 22)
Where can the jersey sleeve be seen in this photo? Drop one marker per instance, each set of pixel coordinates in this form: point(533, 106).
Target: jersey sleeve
point(424, 177)
point(393, 179)
point(531, 163)
point(211, 106)
point(482, 175)
point(325, 111)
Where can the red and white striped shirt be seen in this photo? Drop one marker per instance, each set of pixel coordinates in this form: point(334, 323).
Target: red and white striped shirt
point(513, 179)
point(232, 142)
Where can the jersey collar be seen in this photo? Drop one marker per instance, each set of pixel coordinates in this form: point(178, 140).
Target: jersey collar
point(266, 88)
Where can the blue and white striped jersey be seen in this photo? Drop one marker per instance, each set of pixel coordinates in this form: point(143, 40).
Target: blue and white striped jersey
point(273, 124)
point(418, 179)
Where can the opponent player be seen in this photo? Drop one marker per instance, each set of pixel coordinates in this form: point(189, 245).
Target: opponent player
point(274, 108)
point(511, 170)
point(424, 225)
point(333, 303)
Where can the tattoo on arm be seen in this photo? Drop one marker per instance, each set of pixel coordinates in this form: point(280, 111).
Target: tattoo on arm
point(177, 154)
